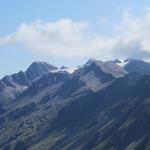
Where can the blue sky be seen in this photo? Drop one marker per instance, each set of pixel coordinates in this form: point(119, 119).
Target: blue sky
point(101, 16)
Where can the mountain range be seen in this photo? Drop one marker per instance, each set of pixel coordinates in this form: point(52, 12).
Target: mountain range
point(96, 106)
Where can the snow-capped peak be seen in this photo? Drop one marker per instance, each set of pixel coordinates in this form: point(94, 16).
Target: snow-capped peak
point(66, 69)
point(69, 70)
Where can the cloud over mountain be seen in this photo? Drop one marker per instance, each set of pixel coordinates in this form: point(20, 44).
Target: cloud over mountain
point(66, 38)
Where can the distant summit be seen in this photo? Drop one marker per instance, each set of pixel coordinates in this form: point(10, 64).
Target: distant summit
point(135, 65)
point(37, 69)
point(12, 85)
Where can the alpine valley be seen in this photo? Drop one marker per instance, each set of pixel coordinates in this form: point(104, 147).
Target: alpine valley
point(96, 106)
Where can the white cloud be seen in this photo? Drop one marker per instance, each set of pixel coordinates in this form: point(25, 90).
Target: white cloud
point(69, 39)
point(63, 38)
point(134, 35)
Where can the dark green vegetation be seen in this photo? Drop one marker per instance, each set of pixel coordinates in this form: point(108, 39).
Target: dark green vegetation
point(98, 107)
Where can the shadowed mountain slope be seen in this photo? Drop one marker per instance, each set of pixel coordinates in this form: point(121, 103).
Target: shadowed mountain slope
point(99, 106)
